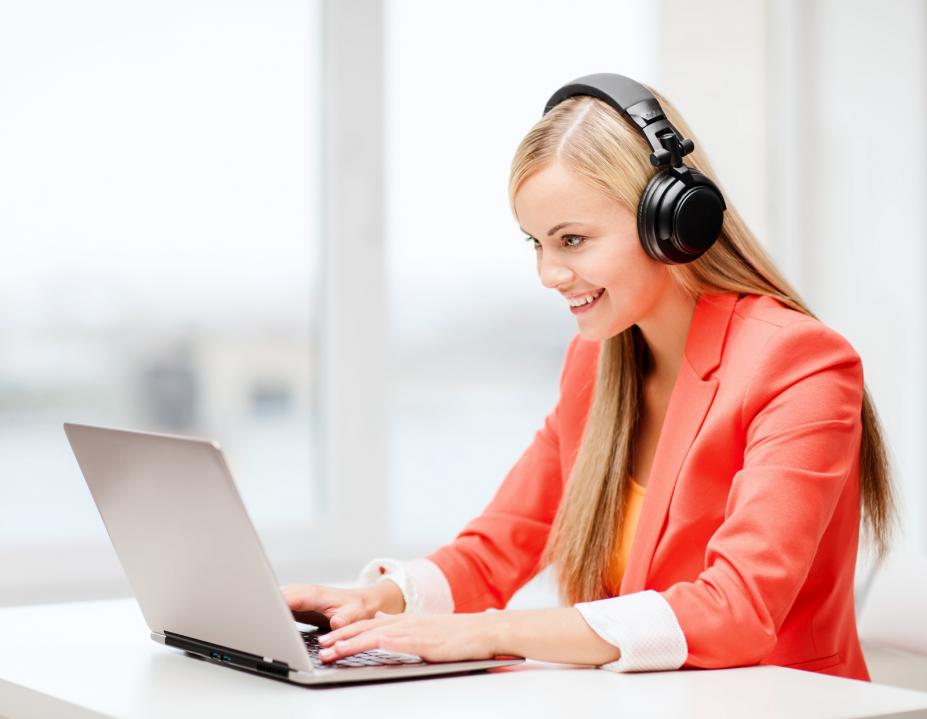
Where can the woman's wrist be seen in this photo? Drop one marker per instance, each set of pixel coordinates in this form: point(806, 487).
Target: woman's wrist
point(550, 635)
point(498, 632)
point(385, 596)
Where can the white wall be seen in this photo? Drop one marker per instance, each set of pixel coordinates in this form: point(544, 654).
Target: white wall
point(865, 268)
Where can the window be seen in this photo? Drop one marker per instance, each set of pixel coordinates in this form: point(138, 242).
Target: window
point(158, 208)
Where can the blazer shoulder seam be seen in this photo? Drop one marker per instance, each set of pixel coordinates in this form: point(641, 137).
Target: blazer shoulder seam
point(770, 322)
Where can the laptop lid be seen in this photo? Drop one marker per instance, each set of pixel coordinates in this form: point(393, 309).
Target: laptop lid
point(185, 541)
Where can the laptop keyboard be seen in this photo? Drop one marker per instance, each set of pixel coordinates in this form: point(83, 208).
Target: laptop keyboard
point(370, 658)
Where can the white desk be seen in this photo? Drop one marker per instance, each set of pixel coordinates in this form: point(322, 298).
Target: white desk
point(89, 659)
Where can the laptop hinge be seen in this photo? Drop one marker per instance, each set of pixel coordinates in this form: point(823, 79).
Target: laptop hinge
point(227, 655)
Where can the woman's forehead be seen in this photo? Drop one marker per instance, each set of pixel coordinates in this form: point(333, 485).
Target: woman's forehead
point(555, 195)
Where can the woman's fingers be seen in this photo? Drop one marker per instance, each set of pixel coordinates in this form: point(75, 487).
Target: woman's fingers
point(434, 638)
point(343, 613)
point(339, 607)
point(350, 612)
point(310, 604)
point(374, 638)
point(301, 597)
point(349, 631)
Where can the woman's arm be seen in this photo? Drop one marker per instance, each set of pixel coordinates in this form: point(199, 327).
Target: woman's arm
point(548, 635)
point(552, 635)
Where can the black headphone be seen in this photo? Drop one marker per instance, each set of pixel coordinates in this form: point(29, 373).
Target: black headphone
point(679, 215)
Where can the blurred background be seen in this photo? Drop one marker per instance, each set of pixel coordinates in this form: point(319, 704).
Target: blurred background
point(284, 225)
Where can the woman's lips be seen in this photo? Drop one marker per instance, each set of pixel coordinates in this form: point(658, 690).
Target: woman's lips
point(588, 306)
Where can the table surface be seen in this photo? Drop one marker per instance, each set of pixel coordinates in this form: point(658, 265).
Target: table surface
point(91, 659)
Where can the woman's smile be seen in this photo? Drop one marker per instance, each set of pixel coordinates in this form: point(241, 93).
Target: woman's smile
point(584, 303)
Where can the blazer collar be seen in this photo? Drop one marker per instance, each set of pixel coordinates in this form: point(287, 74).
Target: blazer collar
point(690, 400)
point(708, 330)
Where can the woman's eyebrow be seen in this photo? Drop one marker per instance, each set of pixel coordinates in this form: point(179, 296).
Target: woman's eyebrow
point(553, 229)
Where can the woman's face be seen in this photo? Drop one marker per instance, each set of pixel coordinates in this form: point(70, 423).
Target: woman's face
point(597, 254)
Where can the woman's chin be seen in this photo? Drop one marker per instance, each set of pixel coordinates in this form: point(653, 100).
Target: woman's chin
point(593, 334)
point(598, 333)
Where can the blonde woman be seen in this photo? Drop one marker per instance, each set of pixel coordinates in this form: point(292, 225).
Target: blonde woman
point(698, 488)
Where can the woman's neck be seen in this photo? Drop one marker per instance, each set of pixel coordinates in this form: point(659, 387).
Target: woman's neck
point(665, 331)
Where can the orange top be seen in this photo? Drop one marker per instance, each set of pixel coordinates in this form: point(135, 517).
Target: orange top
point(632, 512)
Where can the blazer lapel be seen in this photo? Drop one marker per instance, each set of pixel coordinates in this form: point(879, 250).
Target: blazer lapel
point(690, 400)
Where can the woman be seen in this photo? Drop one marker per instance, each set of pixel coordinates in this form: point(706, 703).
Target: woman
point(718, 440)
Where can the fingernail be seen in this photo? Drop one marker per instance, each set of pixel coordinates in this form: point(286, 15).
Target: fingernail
point(327, 653)
point(324, 639)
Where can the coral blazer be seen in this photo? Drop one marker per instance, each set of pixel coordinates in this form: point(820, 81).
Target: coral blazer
point(750, 523)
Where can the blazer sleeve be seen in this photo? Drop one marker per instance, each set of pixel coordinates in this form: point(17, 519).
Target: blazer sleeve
point(802, 419)
point(498, 552)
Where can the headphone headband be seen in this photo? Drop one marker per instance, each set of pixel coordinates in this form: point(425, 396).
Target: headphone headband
point(636, 103)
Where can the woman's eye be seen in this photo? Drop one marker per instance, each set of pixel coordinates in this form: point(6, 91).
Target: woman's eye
point(572, 240)
point(537, 244)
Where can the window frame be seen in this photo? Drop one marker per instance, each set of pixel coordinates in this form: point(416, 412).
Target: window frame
point(351, 335)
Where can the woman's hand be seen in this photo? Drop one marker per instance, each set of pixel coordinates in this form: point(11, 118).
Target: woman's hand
point(434, 637)
point(330, 606)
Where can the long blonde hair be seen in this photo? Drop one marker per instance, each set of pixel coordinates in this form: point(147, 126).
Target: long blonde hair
point(595, 141)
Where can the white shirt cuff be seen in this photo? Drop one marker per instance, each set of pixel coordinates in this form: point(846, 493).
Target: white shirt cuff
point(423, 585)
point(643, 626)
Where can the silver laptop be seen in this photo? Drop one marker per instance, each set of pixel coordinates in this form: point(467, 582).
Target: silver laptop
point(198, 569)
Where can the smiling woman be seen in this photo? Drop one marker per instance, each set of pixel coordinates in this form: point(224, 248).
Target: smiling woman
point(698, 487)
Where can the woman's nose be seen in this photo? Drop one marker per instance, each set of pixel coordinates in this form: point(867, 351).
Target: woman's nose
point(552, 272)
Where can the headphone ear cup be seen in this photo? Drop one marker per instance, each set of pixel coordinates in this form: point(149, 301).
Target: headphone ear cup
point(679, 219)
point(648, 216)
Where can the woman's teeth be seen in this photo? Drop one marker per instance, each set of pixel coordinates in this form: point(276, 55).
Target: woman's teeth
point(580, 301)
